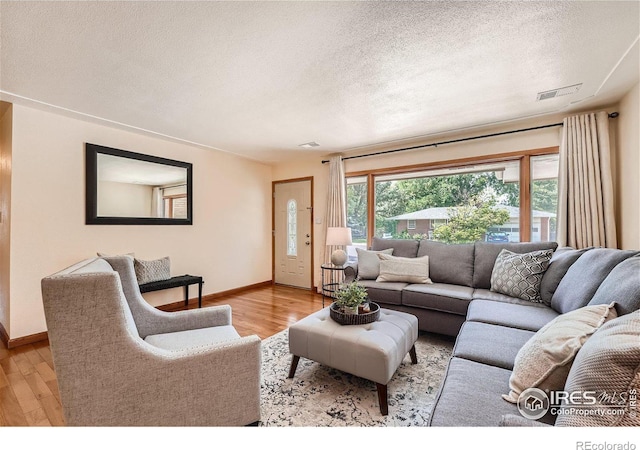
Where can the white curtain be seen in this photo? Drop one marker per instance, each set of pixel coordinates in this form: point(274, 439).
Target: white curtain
point(336, 201)
point(585, 187)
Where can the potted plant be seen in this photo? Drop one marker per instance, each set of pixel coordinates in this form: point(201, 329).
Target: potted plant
point(350, 296)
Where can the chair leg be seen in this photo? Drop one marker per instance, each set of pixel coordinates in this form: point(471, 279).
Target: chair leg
point(412, 353)
point(294, 366)
point(382, 398)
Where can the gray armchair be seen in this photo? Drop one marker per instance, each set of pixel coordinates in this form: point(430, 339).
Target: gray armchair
point(121, 362)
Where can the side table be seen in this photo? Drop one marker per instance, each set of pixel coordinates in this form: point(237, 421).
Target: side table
point(332, 277)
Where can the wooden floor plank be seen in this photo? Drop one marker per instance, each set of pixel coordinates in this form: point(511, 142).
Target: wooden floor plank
point(13, 415)
point(26, 398)
point(45, 371)
point(37, 418)
point(37, 385)
point(53, 409)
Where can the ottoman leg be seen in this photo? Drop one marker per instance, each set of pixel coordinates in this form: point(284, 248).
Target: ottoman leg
point(412, 353)
point(382, 398)
point(294, 366)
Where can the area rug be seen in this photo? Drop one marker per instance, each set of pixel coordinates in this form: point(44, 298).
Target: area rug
point(319, 396)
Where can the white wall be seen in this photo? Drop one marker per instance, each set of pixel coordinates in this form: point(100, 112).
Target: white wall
point(627, 163)
point(229, 243)
point(124, 199)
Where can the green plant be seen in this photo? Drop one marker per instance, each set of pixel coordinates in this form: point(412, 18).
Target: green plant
point(351, 295)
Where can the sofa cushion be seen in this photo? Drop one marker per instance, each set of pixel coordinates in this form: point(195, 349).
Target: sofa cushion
point(560, 262)
point(486, 294)
point(188, 339)
point(408, 270)
point(487, 252)
point(622, 286)
point(407, 248)
point(439, 296)
point(470, 396)
point(519, 274)
point(545, 360)
point(580, 283)
point(609, 365)
point(490, 344)
point(390, 293)
point(369, 263)
point(529, 317)
point(449, 263)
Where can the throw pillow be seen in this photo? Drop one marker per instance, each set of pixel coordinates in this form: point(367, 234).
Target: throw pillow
point(408, 270)
point(369, 264)
point(106, 255)
point(560, 262)
point(609, 366)
point(520, 274)
point(544, 360)
point(156, 270)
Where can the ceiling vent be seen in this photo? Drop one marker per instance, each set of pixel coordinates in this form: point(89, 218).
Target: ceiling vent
point(559, 92)
point(309, 145)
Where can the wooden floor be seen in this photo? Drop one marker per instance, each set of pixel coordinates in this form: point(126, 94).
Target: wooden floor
point(28, 386)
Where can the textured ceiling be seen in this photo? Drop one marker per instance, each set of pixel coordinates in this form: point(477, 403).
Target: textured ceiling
point(259, 78)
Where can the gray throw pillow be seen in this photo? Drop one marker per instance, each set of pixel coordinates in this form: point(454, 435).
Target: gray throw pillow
point(369, 263)
point(607, 366)
point(149, 271)
point(560, 262)
point(622, 286)
point(520, 274)
point(580, 283)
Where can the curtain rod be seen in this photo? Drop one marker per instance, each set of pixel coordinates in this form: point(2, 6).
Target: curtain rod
point(613, 115)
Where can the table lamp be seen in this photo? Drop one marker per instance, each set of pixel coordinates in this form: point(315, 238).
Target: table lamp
point(338, 236)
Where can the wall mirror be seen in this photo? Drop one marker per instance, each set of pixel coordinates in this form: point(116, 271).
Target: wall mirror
point(127, 188)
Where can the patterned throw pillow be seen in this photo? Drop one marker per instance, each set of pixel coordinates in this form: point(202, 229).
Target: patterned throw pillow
point(148, 271)
point(520, 274)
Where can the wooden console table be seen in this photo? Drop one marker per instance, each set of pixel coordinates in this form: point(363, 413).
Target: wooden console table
point(182, 280)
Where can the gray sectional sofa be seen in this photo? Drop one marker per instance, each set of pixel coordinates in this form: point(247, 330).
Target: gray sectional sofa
point(460, 273)
point(491, 328)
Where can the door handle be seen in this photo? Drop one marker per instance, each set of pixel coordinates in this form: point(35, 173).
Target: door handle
point(307, 243)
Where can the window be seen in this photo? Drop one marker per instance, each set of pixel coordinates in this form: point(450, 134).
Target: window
point(175, 206)
point(292, 228)
point(357, 214)
point(453, 202)
point(544, 197)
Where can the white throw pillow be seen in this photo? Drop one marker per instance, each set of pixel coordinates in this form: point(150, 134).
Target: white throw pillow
point(369, 264)
point(408, 270)
point(544, 360)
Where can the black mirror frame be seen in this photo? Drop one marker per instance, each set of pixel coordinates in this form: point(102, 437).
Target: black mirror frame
point(91, 191)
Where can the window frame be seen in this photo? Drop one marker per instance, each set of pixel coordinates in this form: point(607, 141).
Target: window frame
point(522, 156)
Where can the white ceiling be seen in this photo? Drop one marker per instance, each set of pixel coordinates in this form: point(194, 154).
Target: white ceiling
point(259, 78)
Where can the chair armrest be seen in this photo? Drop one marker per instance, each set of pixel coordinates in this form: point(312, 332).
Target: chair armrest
point(150, 320)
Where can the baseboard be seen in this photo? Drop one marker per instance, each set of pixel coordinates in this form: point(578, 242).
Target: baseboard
point(215, 296)
point(24, 340)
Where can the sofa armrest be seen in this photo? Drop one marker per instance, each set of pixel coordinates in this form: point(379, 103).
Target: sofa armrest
point(350, 272)
point(513, 420)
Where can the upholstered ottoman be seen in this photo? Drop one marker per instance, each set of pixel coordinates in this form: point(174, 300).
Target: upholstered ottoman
point(373, 351)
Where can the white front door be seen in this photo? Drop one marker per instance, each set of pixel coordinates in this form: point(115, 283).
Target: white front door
point(292, 234)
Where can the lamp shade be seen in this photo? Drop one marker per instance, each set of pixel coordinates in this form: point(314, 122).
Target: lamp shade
point(338, 236)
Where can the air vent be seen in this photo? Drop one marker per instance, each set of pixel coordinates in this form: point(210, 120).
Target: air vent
point(309, 145)
point(559, 92)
